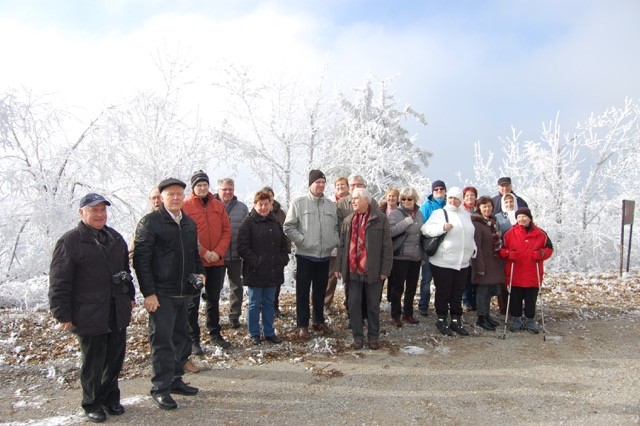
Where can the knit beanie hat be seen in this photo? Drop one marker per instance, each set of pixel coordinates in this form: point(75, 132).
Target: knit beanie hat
point(314, 175)
point(455, 192)
point(199, 176)
point(438, 184)
point(525, 211)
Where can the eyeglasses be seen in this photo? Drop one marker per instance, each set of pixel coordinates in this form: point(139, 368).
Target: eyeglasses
point(406, 199)
point(438, 189)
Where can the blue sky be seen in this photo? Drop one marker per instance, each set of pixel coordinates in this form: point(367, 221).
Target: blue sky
point(474, 68)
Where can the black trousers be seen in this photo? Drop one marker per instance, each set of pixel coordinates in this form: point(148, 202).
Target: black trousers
point(102, 358)
point(403, 279)
point(450, 284)
point(170, 343)
point(213, 287)
point(310, 276)
point(526, 295)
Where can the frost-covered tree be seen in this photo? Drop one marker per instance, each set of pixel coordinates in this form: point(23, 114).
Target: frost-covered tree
point(370, 138)
point(273, 127)
point(40, 179)
point(575, 182)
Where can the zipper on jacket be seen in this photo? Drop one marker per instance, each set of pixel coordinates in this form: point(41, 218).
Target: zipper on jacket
point(182, 252)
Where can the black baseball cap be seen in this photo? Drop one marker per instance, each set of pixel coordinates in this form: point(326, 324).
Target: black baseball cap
point(93, 199)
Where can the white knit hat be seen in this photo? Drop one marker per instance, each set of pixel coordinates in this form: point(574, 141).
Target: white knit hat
point(455, 192)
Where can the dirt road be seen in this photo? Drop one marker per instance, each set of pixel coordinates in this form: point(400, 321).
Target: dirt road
point(585, 373)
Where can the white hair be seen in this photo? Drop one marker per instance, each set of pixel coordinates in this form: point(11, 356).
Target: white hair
point(361, 192)
point(357, 178)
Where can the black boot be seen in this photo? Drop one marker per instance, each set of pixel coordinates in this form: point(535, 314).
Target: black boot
point(492, 321)
point(457, 326)
point(483, 322)
point(442, 326)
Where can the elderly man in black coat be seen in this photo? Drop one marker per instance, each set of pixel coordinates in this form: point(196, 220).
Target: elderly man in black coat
point(91, 294)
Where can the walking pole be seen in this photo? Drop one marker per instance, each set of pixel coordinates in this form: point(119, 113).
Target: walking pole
point(544, 331)
point(506, 315)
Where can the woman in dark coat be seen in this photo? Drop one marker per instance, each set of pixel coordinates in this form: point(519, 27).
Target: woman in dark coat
point(487, 267)
point(280, 215)
point(263, 248)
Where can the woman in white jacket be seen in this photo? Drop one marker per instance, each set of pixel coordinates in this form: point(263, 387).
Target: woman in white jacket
point(450, 264)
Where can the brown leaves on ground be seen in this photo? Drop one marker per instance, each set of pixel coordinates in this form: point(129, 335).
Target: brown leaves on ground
point(31, 342)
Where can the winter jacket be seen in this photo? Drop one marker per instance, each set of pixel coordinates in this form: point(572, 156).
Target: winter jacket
point(411, 248)
point(312, 224)
point(497, 203)
point(524, 251)
point(81, 284)
point(263, 248)
point(487, 266)
point(432, 204)
point(378, 244)
point(237, 211)
point(166, 254)
point(458, 245)
point(214, 227)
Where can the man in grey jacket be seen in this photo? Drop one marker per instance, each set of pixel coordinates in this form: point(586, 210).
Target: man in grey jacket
point(237, 211)
point(312, 224)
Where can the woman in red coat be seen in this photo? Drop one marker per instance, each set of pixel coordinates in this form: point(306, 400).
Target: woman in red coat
point(525, 248)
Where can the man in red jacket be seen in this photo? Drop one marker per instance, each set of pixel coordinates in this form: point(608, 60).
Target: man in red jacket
point(214, 236)
point(525, 248)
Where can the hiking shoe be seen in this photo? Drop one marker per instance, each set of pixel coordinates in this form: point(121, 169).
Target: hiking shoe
point(516, 325)
point(531, 326)
point(457, 326)
point(442, 326)
point(410, 320)
point(217, 339)
point(424, 312)
point(190, 367)
point(196, 349)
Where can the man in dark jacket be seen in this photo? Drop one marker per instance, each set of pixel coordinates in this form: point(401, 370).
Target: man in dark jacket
point(91, 294)
point(364, 261)
point(505, 187)
point(167, 264)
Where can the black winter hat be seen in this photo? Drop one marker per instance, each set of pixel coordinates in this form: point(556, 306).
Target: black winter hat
point(314, 175)
point(198, 176)
point(171, 181)
point(438, 184)
point(525, 211)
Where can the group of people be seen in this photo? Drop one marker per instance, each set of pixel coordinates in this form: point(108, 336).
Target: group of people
point(183, 248)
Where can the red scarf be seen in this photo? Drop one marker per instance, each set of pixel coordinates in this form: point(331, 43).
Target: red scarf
point(357, 244)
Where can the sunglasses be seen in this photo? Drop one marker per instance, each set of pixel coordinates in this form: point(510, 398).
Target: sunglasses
point(406, 199)
point(438, 189)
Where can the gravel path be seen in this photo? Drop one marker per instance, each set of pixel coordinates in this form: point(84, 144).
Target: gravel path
point(585, 373)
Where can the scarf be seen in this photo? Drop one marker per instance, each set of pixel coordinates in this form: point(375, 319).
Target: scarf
point(357, 243)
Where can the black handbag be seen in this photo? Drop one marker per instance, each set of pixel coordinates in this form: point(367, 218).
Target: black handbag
point(399, 239)
point(430, 244)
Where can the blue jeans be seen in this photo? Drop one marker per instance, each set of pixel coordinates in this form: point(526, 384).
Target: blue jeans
point(261, 299)
point(425, 285)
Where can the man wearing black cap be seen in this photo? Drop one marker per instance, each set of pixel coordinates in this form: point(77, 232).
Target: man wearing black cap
point(214, 235)
point(91, 294)
point(312, 224)
point(434, 201)
point(505, 187)
point(169, 271)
